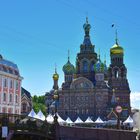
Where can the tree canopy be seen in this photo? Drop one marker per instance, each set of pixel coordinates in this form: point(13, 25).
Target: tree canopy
point(39, 103)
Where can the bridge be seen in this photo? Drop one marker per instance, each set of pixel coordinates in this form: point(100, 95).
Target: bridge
point(22, 127)
point(26, 128)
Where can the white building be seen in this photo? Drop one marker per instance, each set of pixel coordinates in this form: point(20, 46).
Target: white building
point(10, 87)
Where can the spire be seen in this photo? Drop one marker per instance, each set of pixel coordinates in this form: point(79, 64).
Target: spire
point(55, 75)
point(68, 55)
point(116, 37)
point(105, 59)
point(86, 20)
point(87, 27)
point(99, 55)
point(55, 68)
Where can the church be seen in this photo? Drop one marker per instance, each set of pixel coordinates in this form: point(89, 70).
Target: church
point(91, 88)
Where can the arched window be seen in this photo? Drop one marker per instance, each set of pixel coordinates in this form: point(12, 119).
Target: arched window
point(87, 111)
point(116, 73)
point(85, 66)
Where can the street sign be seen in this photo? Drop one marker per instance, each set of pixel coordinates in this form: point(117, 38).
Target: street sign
point(118, 109)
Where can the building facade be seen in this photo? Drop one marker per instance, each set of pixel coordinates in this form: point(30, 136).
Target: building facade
point(26, 101)
point(91, 88)
point(10, 87)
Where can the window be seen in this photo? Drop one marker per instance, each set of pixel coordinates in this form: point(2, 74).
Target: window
point(116, 74)
point(11, 71)
point(10, 98)
point(11, 84)
point(5, 82)
point(24, 107)
point(86, 111)
point(16, 85)
point(16, 72)
point(16, 99)
point(4, 69)
point(85, 66)
point(4, 97)
point(4, 110)
point(92, 66)
point(78, 111)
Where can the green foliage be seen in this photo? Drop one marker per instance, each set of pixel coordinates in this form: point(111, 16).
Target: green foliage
point(39, 103)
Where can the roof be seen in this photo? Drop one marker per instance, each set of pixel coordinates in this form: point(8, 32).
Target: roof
point(8, 66)
point(24, 91)
point(8, 63)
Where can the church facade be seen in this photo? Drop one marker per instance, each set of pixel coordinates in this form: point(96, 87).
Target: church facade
point(91, 88)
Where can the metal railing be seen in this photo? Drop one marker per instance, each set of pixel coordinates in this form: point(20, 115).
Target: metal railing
point(22, 124)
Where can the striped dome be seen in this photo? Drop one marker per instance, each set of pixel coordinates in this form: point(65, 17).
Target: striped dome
point(68, 68)
point(100, 67)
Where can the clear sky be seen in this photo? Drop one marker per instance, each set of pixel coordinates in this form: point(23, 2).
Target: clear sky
point(36, 34)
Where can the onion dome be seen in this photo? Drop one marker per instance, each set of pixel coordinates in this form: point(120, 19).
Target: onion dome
point(100, 66)
point(116, 48)
point(8, 66)
point(68, 68)
point(55, 75)
point(87, 27)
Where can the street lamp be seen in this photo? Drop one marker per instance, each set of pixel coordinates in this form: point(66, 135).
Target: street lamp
point(56, 100)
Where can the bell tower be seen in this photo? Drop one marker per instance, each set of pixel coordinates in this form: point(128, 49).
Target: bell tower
point(87, 57)
point(117, 77)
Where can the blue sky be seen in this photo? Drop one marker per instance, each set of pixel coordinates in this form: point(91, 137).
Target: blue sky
point(37, 34)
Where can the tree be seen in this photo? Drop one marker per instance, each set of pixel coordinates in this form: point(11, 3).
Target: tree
point(39, 104)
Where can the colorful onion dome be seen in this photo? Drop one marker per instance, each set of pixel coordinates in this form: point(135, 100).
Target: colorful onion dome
point(116, 49)
point(87, 27)
point(100, 67)
point(55, 75)
point(68, 68)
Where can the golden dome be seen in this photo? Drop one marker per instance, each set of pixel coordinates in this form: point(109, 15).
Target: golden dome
point(116, 49)
point(55, 76)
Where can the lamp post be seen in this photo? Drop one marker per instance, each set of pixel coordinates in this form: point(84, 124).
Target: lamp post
point(56, 99)
point(118, 110)
point(48, 102)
